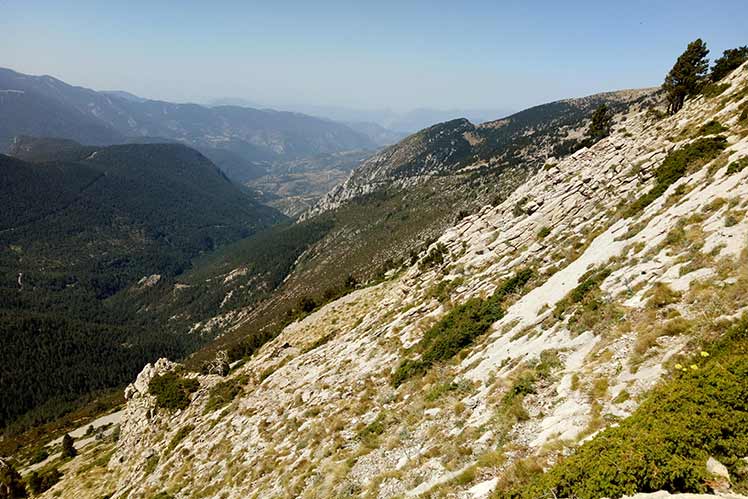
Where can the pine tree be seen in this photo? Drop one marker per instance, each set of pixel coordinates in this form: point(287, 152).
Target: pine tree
point(687, 75)
point(600, 126)
point(731, 59)
point(68, 449)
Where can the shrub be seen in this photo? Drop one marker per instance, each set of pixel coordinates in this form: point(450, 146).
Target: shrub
point(664, 445)
point(178, 437)
point(589, 282)
point(434, 257)
point(544, 231)
point(11, 485)
point(712, 127)
point(662, 296)
point(38, 483)
point(172, 391)
point(371, 432)
point(676, 165)
point(513, 284)
point(223, 393)
point(737, 166)
point(40, 455)
point(458, 329)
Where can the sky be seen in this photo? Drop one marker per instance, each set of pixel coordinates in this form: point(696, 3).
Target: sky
point(380, 54)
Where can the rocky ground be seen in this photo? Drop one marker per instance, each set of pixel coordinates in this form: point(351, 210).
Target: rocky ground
point(315, 413)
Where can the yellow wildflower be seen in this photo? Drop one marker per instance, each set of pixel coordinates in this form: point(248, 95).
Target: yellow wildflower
point(694, 366)
point(678, 366)
point(705, 354)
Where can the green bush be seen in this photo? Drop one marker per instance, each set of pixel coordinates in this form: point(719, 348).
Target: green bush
point(172, 391)
point(223, 393)
point(40, 455)
point(676, 165)
point(38, 483)
point(737, 166)
point(712, 127)
point(458, 329)
point(371, 432)
point(513, 284)
point(178, 437)
point(589, 283)
point(544, 231)
point(11, 485)
point(434, 257)
point(701, 411)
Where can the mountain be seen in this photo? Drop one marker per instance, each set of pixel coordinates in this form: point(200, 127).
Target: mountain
point(43, 106)
point(79, 226)
point(585, 336)
point(399, 122)
point(35, 113)
point(458, 147)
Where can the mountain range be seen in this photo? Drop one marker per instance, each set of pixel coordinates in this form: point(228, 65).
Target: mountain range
point(43, 106)
point(394, 122)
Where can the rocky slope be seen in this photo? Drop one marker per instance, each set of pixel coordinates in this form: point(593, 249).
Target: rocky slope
point(315, 412)
point(523, 140)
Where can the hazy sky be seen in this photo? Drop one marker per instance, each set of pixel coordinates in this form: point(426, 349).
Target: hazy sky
point(375, 54)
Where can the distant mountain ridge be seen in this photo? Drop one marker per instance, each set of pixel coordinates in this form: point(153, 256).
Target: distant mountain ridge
point(526, 138)
point(47, 107)
point(400, 122)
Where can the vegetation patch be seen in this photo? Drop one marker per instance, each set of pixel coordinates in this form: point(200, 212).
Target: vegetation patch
point(737, 166)
point(589, 283)
point(224, 392)
point(38, 483)
point(676, 165)
point(369, 434)
point(712, 127)
point(178, 437)
point(172, 391)
point(701, 411)
point(458, 329)
point(434, 257)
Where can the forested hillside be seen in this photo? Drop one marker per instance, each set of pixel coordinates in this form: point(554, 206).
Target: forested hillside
point(74, 234)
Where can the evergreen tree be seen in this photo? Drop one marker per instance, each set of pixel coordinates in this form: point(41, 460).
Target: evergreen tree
point(600, 126)
point(687, 75)
point(731, 59)
point(68, 449)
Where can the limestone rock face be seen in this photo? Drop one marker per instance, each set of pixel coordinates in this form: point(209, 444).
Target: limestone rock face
point(720, 473)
